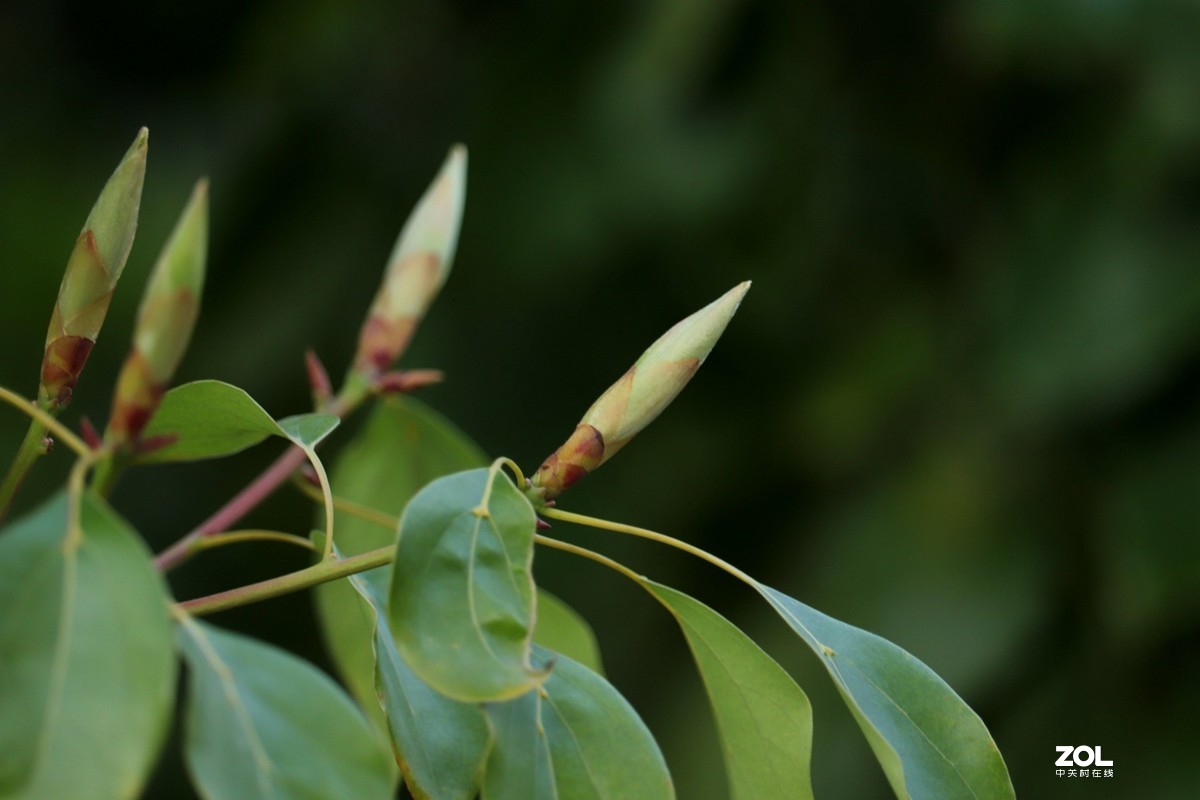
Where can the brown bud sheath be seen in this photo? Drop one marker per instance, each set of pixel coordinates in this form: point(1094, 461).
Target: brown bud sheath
point(167, 315)
point(91, 276)
point(419, 265)
point(634, 401)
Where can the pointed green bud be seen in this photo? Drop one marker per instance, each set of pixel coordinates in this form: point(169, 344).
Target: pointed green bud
point(419, 265)
point(92, 272)
point(639, 396)
point(165, 321)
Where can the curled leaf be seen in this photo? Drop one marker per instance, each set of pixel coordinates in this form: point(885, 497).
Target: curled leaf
point(462, 594)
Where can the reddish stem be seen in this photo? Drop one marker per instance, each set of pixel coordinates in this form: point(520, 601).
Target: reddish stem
point(240, 505)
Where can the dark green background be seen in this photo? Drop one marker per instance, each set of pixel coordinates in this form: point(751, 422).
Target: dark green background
point(960, 407)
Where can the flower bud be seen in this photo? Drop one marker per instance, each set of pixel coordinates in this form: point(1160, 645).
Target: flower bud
point(639, 396)
point(91, 276)
point(167, 315)
point(417, 268)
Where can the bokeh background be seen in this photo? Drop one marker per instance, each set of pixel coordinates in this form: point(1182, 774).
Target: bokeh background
point(960, 407)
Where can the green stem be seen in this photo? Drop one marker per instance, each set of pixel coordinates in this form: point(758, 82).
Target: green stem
point(591, 555)
point(234, 537)
point(108, 471)
point(326, 497)
point(39, 414)
point(328, 570)
point(645, 533)
point(258, 490)
point(350, 507)
point(386, 520)
point(32, 448)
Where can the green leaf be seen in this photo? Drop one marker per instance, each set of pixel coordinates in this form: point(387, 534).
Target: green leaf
point(308, 430)
point(210, 419)
point(441, 744)
point(462, 593)
point(261, 723)
point(928, 741)
point(764, 718)
point(87, 670)
point(403, 446)
point(575, 738)
point(561, 628)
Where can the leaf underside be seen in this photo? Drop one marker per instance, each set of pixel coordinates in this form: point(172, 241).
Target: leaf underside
point(462, 597)
point(87, 667)
point(928, 741)
point(764, 718)
point(402, 446)
point(574, 738)
point(262, 724)
point(441, 744)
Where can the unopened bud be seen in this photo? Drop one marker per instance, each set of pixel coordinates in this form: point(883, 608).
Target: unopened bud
point(92, 272)
point(409, 380)
point(90, 435)
point(639, 396)
point(165, 321)
point(417, 268)
point(318, 379)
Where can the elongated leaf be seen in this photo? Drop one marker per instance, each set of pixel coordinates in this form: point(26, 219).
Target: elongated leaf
point(560, 628)
point(929, 742)
point(764, 718)
point(403, 446)
point(86, 663)
point(441, 744)
point(210, 419)
point(462, 591)
point(261, 723)
point(575, 738)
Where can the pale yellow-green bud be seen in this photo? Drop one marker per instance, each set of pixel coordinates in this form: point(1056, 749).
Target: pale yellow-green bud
point(418, 267)
point(93, 269)
point(634, 401)
point(165, 321)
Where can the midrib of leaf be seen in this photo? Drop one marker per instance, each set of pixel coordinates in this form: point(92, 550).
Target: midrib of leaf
point(544, 741)
point(229, 686)
point(356, 582)
point(919, 730)
point(787, 613)
point(484, 512)
point(836, 669)
point(471, 601)
point(741, 695)
point(574, 741)
point(62, 647)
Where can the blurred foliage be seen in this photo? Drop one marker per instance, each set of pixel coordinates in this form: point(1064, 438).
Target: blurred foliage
point(961, 406)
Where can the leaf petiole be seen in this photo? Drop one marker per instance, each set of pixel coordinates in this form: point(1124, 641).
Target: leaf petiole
point(258, 490)
point(234, 537)
point(350, 507)
point(326, 497)
point(591, 555)
point(644, 533)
